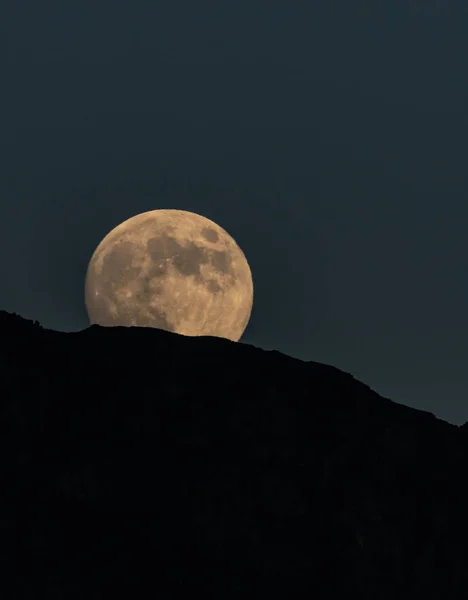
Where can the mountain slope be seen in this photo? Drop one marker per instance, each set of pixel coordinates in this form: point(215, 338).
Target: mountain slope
point(140, 463)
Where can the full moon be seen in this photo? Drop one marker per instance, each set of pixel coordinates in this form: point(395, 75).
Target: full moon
point(172, 270)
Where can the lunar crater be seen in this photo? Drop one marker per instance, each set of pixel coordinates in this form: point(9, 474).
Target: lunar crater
point(213, 286)
point(159, 268)
point(210, 234)
point(220, 260)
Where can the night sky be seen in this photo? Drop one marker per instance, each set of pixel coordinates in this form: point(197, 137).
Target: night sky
point(328, 137)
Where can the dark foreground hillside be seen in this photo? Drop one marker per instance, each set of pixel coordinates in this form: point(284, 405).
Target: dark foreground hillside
point(136, 463)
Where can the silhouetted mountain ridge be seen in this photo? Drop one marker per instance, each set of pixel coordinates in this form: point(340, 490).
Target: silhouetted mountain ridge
point(138, 462)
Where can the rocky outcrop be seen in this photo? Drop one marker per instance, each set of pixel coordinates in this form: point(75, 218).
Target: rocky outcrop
point(138, 463)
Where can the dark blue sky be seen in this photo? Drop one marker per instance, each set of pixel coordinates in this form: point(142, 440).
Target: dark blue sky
point(328, 137)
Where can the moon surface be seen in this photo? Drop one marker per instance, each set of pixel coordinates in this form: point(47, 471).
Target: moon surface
point(173, 270)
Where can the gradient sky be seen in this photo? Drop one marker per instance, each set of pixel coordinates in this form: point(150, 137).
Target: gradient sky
point(328, 137)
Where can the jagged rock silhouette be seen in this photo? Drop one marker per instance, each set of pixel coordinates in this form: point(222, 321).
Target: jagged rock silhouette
point(138, 463)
